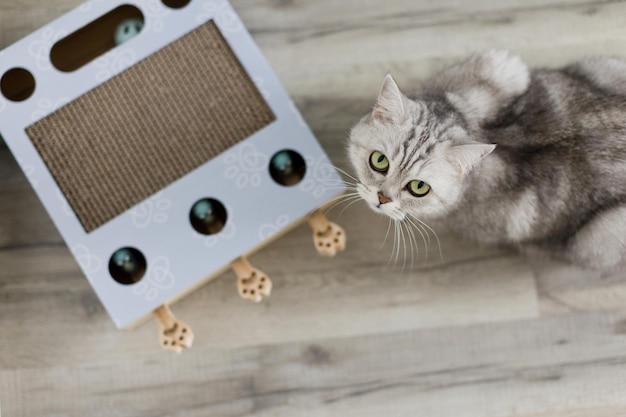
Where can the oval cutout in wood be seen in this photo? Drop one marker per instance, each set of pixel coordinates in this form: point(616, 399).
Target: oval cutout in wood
point(92, 40)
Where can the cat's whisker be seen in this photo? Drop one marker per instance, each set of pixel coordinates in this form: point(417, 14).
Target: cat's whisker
point(434, 234)
point(343, 172)
point(357, 183)
point(350, 192)
point(398, 246)
point(417, 249)
point(401, 245)
point(342, 199)
point(419, 226)
point(395, 240)
point(387, 234)
point(341, 181)
point(337, 184)
point(404, 246)
point(340, 187)
point(425, 237)
point(420, 229)
point(403, 227)
point(354, 200)
point(425, 231)
point(411, 241)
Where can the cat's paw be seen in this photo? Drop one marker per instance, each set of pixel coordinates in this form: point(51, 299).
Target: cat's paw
point(254, 285)
point(330, 240)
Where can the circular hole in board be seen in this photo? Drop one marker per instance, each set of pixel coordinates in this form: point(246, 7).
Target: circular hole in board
point(176, 4)
point(287, 167)
point(208, 216)
point(17, 84)
point(127, 265)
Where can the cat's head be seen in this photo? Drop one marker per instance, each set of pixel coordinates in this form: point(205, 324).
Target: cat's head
point(413, 156)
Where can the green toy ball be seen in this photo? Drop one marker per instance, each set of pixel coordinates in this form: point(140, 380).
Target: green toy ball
point(208, 216)
point(127, 30)
point(287, 167)
point(127, 266)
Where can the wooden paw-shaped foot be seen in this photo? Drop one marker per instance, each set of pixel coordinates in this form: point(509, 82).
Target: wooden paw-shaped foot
point(328, 237)
point(330, 241)
point(174, 335)
point(254, 287)
point(252, 283)
point(177, 338)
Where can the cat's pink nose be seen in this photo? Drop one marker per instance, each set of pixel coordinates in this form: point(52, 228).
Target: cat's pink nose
point(383, 199)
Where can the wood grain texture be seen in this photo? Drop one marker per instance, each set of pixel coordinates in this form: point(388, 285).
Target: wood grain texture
point(483, 333)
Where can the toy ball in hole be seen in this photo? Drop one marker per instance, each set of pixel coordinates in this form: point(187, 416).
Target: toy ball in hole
point(287, 167)
point(127, 30)
point(127, 266)
point(208, 216)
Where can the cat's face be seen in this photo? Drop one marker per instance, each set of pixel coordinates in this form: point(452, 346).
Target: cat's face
point(412, 157)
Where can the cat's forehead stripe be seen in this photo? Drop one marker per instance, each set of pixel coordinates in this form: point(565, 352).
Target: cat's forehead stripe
point(414, 149)
point(406, 145)
point(419, 147)
point(416, 146)
point(422, 109)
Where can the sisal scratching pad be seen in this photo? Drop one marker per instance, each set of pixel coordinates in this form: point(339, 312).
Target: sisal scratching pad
point(150, 125)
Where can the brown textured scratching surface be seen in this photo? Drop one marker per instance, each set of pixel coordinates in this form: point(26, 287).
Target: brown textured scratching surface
point(150, 125)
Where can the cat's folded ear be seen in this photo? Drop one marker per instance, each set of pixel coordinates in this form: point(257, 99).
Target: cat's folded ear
point(465, 157)
point(484, 85)
point(389, 107)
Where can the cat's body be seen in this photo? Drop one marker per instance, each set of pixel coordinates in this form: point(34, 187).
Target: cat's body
point(556, 180)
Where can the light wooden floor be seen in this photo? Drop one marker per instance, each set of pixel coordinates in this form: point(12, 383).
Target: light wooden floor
point(484, 334)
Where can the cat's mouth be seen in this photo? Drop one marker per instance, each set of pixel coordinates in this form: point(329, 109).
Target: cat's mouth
point(393, 212)
point(380, 205)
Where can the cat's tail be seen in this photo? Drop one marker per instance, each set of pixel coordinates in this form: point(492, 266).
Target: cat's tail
point(483, 85)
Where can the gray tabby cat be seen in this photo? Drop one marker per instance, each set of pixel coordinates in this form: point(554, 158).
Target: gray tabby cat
point(505, 155)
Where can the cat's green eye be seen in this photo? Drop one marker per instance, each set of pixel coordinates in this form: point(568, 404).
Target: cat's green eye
point(379, 162)
point(418, 188)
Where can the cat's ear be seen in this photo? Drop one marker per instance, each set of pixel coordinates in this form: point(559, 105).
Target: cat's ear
point(484, 85)
point(465, 157)
point(389, 106)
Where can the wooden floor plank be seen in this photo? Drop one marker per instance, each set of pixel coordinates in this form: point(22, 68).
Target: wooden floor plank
point(414, 39)
point(564, 289)
point(530, 367)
